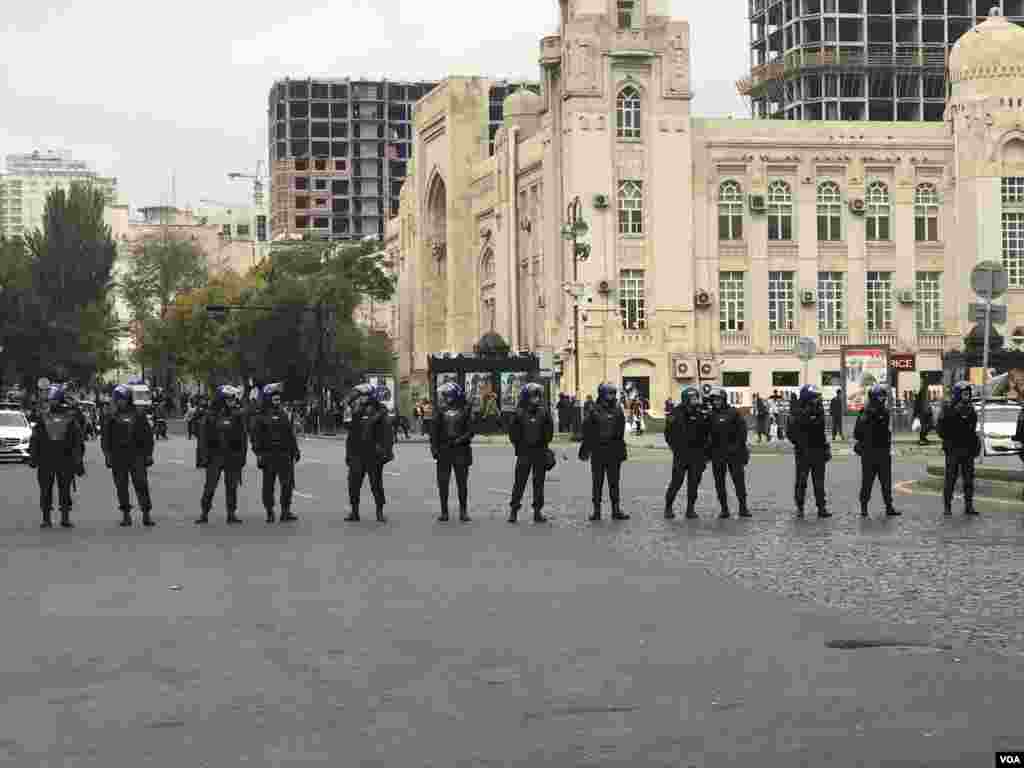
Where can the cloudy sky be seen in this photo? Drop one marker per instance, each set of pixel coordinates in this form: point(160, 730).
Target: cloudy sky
point(143, 89)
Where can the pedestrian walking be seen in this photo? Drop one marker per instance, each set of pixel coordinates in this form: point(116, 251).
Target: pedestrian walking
point(729, 451)
point(222, 449)
point(923, 414)
point(873, 435)
point(277, 451)
point(958, 428)
point(604, 446)
point(56, 452)
point(761, 418)
point(450, 446)
point(370, 445)
point(811, 448)
point(427, 414)
point(530, 430)
point(688, 434)
point(127, 444)
point(836, 412)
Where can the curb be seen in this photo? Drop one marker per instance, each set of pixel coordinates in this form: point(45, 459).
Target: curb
point(984, 489)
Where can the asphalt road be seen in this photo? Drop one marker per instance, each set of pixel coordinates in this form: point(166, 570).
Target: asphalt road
point(765, 642)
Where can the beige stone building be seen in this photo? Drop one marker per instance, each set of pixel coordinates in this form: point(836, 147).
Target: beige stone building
point(714, 244)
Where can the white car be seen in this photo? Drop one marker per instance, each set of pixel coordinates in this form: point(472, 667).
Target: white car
point(1000, 427)
point(14, 436)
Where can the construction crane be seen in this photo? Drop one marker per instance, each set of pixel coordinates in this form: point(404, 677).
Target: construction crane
point(257, 183)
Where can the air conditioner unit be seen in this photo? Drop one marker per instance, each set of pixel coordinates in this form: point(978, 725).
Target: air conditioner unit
point(757, 204)
point(905, 296)
point(707, 369)
point(600, 202)
point(684, 368)
point(808, 297)
point(604, 287)
point(857, 205)
point(702, 299)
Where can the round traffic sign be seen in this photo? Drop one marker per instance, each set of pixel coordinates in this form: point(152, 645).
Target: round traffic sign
point(989, 279)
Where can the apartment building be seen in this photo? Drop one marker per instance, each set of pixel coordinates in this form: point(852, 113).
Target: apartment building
point(31, 177)
point(339, 151)
point(880, 60)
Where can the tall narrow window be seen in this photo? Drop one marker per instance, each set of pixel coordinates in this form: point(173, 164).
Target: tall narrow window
point(780, 211)
point(780, 301)
point(631, 299)
point(831, 301)
point(626, 10)
point(731, 301)
point(1013, 229)
point(730, 211)
point(929, 301)
point(830, 208)
point(879, 301)
point(926, 213)
point(878, 211)
point(631, 208)
point(628, 113)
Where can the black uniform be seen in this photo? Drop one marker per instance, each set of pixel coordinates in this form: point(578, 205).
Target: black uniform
point(729, 453)
point(958, 424)
point(57, 450)
point(873, 434)
point(688, 434)
point(222, 449)
point(450, 436)
point(273, 441)
point(531, 433)
point(604, 443)
point(127, 444)
point(806, 430)
point(368, 447)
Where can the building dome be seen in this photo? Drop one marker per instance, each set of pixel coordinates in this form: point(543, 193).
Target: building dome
point(522, 102)
point(993, 49)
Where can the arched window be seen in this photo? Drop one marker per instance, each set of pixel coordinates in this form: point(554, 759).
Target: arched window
point(631, 208)
point(487, 303)
point(730, 211)
point(878, 211)
point(780, 211)
point(628, 113)
point(926, 213)
point(829, 212)
point(1013, 229)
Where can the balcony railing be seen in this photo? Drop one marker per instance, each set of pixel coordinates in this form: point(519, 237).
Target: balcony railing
point(784, 341)
point(735, 340)
point(636, 338)
point(883, 338)
point(931, 340)
point(832, 340)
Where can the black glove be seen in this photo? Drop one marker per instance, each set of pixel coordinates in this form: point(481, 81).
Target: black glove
point(202, 464)
point(259, 461)
point(858, 449)
point(828, 453)
point(149, 461)
point(298, 456)
point(106, 458)
point(80, 470)
point(584, 454)
point(434, 453)
point(32, 465)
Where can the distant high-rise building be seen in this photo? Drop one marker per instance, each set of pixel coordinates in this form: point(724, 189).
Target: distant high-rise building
point(875, 60)
point(339, 151)
point(31, 177)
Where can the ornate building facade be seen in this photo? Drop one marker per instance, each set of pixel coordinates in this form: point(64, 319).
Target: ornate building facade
point(714, 243)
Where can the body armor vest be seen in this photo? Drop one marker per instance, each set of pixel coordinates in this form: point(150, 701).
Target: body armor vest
point(606, 424)
point(57, 425)
point(224, 427)
point(122, 431)
point(278, 430)
point(533, 428)
point(451, 421)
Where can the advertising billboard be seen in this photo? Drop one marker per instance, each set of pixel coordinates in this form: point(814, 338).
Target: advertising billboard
point(863, 367)
point(479, 388)
point(511, 384)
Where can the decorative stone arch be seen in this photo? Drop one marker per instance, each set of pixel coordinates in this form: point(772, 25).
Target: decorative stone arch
point(1010, 149)
point(637, 366)
point(487, 269)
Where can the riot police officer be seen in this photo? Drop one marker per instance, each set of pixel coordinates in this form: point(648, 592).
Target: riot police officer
point(806, 430)
point(127, 444)
point(530, 431)
point(604, 444)
point(368, 447)
point(688, 434)
point(222, 449)
point(729, 451)
point(450, 436)
point(57, 451)
point(958, 425)
point(873, 435)
point(277, 451)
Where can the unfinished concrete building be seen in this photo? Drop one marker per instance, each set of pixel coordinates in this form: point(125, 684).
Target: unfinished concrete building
point(339, 152)
point(857, 59)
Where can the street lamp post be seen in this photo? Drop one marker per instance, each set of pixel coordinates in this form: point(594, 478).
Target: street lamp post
point(574, 229)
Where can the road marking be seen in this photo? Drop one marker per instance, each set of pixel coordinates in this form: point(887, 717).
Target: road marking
point(393, 474)
point(176, 461)
point(901, 488)
point(303, 495)
point(502, 491)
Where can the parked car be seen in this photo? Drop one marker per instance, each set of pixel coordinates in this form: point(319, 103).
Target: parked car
point(14, 435)
point(1000, 427)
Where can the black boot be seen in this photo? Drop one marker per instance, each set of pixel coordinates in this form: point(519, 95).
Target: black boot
point(538, 517)
point(147, 518)
point(669, 514)
point(947, 508)
point(969, 508)
point(270, 515)
point(47, 519)
point(203, 518)
point(800, 513)
point(287, 516)
point(443, 517)
point(380, 514)
point(126, 518)
point(744, 511)
point(863, 509)
point(595, 516)
point(513, 515)
point(724, 514)
point(891, 511)
point(353, 516)
point(463, 515)
point(617, 513)
point(822, 512)
point(691, 513)
point(65, 519)
point(233, 518)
